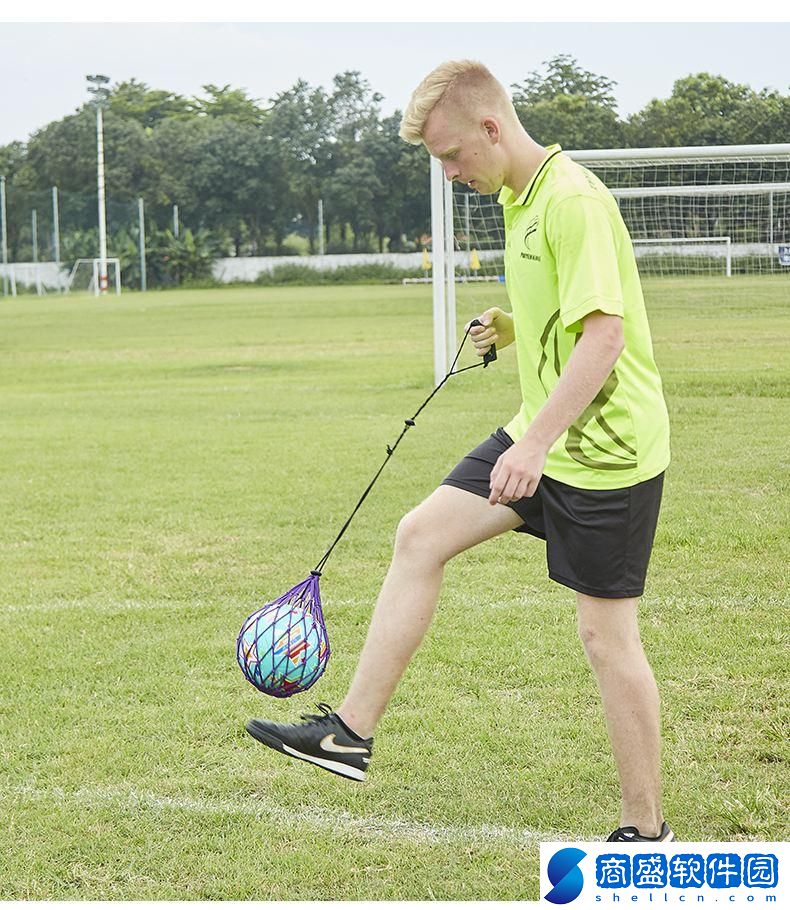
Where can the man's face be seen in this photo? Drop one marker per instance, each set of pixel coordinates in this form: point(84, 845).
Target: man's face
point(469, 151)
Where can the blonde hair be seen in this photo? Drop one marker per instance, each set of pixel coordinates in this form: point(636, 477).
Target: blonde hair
point(466, 84)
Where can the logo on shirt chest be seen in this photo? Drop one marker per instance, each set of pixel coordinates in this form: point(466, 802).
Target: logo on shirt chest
point(530, 240)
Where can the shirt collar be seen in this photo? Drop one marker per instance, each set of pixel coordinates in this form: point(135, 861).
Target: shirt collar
point(506, 195)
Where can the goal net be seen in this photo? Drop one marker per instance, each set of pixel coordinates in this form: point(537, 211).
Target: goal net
point(708, 211)
point(681, 205)
point(690, 211)
point(85, 276)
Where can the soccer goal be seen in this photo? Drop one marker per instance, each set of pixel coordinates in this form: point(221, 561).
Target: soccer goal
point(702, 210)
point(684, 255)
point(708, 211)
point(85, 274)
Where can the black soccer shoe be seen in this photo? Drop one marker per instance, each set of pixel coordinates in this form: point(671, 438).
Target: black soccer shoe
point(324, 740)
point(632, 834)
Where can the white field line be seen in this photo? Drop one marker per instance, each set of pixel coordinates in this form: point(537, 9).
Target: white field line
point(461, 602)
point(390, 830)
point(242, 609)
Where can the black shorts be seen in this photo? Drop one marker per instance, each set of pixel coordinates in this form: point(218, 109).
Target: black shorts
point(598, 542)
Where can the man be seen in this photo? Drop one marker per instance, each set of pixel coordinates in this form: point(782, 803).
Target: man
point(580, 466)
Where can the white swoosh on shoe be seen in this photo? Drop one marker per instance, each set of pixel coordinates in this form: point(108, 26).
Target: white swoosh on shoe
point(328, 744)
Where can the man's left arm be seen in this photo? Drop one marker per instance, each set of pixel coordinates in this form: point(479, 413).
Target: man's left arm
point(519, 469)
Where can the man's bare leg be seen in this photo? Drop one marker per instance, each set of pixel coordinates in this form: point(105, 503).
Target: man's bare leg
point(448, 522)
point(609, 631)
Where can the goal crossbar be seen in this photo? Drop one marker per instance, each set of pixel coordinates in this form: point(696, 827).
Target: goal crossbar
point(697, 153)
point(728, 189)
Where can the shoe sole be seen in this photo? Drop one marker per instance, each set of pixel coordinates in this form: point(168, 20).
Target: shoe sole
point(670, 836)
point(335, 767)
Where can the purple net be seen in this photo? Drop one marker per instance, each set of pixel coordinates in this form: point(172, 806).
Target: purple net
point(283, 647)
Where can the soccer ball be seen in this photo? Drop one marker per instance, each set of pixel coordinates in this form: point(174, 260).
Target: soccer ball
point(282, 649)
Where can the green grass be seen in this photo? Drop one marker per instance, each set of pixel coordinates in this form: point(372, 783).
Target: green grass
point(170, 461)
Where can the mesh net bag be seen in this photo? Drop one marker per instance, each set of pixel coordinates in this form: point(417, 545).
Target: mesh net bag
point(283, 647)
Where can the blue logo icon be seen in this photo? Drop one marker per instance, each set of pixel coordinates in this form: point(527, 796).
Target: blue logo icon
point(566, 876)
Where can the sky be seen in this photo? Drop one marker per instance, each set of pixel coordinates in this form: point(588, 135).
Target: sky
point(43, 64)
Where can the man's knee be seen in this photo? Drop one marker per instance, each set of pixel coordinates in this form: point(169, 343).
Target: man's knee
point(607, 628)
point(418, 538)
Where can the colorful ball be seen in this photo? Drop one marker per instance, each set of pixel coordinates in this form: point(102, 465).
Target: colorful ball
point(282, 649)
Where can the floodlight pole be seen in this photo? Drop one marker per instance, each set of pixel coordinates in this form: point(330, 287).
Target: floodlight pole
point(102, 203)
point(320, 227)
point(100, 92)
point(3, 231)
point(176, 223)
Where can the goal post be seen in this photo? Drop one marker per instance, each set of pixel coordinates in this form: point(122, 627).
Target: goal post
point(443, 271)
point(85, 275)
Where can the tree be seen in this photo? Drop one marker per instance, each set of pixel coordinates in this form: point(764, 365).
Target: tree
point(354, 108)
point(227, 102)
point(569, 105)
point(351, 194)
point(564, 77)
point(574, 121)
point(133, 100)
point(702, 110)
point(764, 119)
point(400, 190)
point(300, 127)
point(225, 175)
point(63, 154)
point(12, 158)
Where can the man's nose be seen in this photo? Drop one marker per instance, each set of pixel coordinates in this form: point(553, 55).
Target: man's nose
point(451, 170)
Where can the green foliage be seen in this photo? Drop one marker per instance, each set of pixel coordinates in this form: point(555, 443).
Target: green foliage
point(569, 105)
point(134, 100)
point(703, 109)
point(82, 244)
point(12, 158)
point(574, 121)
point(303, 275)
point(234, 103)
point(564, 76)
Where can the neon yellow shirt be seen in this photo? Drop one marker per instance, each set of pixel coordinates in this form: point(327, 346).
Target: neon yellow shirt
point(567, 254)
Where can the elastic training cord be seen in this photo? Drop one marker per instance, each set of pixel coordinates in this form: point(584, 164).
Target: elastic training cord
point(408, 424)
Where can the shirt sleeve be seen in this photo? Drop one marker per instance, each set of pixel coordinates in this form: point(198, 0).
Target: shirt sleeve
point(579, 232)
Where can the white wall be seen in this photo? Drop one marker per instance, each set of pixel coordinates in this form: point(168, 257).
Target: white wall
point(50, 275)
point(247, 268)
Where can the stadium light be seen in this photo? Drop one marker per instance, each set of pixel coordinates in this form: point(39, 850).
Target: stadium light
point(98, 88)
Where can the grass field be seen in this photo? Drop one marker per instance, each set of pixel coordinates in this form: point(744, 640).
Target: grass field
point(170, 461)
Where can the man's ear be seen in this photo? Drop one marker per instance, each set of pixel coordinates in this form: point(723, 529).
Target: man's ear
point(492, 128)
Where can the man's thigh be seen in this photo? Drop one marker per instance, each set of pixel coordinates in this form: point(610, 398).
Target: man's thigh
point(451, 520)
